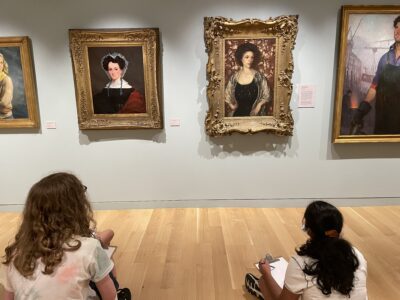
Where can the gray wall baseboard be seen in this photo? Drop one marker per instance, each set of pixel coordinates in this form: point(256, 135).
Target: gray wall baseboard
point(202, 203)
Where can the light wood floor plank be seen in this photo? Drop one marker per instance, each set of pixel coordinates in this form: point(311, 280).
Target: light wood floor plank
point(204, 253)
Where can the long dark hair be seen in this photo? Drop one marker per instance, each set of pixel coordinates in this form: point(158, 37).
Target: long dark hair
point(335, 261)
point(56, 211)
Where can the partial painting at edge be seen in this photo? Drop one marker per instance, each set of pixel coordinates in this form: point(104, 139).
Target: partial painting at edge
point(12, 89)
point(371, 86)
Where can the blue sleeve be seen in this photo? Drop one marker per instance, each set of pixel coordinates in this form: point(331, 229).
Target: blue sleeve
point(379, 70)
point(100, 264)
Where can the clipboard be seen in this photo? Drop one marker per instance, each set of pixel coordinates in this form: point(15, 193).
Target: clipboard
point(278, 270)
point(110, 251)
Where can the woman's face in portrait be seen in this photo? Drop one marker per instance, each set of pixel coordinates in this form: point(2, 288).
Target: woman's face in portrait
point(247, 59)
point(114, 71)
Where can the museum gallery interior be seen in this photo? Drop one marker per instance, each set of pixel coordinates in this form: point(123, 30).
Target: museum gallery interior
point(202, 130)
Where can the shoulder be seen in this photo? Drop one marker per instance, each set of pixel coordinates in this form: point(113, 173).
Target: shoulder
point(258, 76)
point(300, 261)
point(295, 279)
point(125, 84)
point(7, 80)
point(383, 58)
point(88, 241)
point(89, 244)
point(360, 256)
point(234, 77)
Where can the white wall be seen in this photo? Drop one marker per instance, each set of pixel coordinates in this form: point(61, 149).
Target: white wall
point(182, 166)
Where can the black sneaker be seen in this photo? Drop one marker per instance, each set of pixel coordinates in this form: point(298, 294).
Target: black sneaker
point(251, 283)
point(124, 294)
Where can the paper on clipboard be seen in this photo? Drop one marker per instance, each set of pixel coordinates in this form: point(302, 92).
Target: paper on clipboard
point(278, 270)
point(110, 250)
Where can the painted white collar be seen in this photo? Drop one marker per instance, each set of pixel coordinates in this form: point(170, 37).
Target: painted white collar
point(117, 84)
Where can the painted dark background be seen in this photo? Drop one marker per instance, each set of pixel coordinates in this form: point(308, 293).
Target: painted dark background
point(134, 75)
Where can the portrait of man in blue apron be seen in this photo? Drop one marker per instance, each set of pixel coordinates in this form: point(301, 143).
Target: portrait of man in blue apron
point(385, 90)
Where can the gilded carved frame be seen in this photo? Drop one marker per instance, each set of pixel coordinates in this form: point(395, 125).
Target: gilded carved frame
point(219, 33)
point(18, 54)
point(82, 42)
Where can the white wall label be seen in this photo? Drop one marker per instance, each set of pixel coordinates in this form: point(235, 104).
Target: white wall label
point(51, 124)
point(306, 95)
point(174, 122)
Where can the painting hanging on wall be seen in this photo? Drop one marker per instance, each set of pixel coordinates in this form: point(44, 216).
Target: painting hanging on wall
point(249, 71)
point(367, 104)
point(117, 78)
point(18, 98)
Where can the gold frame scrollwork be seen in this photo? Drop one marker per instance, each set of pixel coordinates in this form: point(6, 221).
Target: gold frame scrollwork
point(219, 30)
point(148, 40)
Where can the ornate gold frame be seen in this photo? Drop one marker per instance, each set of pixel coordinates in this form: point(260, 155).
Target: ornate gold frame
point(29, 85)
point(337, 137)
point(219, 29)
point(148, 39)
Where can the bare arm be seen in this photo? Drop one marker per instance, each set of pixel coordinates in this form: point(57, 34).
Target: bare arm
point(8, 295)
point(269, 288)
point(106, 288)
point(370, 95)
point(105, 237)
point(5, 101)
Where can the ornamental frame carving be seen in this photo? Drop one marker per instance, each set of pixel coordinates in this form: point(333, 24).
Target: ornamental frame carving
point(140, 48)
point(17, 53)
point(275, 39)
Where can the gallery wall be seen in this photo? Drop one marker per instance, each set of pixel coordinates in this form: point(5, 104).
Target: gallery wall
point(180, 165)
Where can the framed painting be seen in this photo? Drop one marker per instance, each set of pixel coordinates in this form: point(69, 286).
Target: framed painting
point(367, 103)
point(117, 78)
point(18, 98)
point(249, 71)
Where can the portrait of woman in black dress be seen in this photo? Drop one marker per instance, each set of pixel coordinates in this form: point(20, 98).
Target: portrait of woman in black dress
point(247, 92)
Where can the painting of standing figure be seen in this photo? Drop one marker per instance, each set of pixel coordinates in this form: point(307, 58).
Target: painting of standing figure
point(18, 104)
point(368, 85)
point(117, 78)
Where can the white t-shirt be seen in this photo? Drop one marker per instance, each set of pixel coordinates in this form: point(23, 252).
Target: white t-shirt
point(70, 279)
point(299, 283)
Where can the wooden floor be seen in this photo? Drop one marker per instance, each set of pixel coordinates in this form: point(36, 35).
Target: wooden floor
point(202, 253)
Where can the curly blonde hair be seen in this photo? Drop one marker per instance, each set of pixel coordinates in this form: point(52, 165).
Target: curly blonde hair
point(56, 213)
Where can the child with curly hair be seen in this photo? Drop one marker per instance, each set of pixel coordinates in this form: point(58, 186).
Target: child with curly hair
point(53, 255)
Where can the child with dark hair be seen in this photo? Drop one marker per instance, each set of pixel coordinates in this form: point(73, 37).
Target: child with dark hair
point(326, 266)
point(53, 255)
